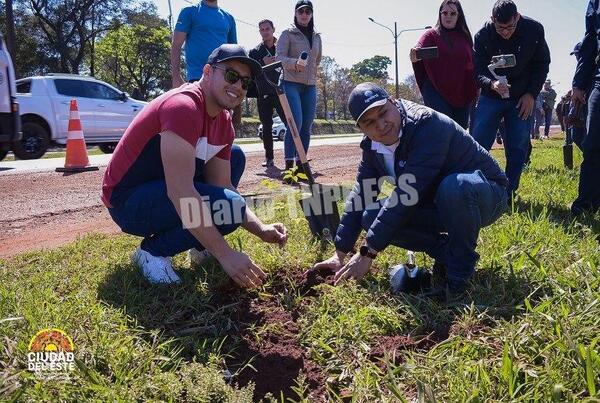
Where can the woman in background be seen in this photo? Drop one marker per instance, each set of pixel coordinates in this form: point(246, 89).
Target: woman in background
point(447, 82)
point(300, 78)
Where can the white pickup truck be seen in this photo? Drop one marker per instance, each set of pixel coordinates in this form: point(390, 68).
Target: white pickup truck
point(44, 101)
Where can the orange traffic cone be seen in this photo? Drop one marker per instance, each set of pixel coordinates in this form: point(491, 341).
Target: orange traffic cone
point(76, 159)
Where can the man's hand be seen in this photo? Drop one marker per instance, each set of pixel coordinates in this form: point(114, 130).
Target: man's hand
point(501, 88)
point(525, 104)
point(269, 60)
point(176, 81)
point(413, 55)
point(300, 68)
point(335, 262)
point(242, 270)
point(356, 268)
point(578, 96)
point(274, 233)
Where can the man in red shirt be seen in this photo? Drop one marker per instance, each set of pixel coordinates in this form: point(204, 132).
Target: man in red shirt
point(173, 175)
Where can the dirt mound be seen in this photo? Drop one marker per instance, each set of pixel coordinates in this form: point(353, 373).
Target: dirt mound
point(269, 340)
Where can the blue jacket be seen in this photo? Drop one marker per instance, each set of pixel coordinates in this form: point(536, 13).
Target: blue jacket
point(432, 147)
point(588, 65)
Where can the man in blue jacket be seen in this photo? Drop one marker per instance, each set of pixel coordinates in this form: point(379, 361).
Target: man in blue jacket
point(447, 188)
point(509, 32)
point(588, 66)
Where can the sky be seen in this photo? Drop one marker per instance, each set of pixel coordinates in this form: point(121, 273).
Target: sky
point(349, 36)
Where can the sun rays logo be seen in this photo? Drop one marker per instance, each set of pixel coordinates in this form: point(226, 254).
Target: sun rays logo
point(51, 354)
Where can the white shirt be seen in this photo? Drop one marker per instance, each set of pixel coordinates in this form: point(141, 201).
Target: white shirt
point(388, 154)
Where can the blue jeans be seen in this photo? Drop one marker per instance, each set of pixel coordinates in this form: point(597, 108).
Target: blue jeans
point(436, 101)
point(303, 103)
point(537, 116)
point(547, 121)
point(464, 203)
point(148, 212)
point(516, 141)
point(589, 180)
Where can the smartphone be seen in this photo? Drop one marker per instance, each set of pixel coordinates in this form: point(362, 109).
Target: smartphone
point(303, 59)
point(509, 60)
point(427, 53)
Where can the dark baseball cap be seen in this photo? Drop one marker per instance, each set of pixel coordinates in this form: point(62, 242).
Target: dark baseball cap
point(235, 52)
point(576, 49)
point(364, 97)
point(304, 3)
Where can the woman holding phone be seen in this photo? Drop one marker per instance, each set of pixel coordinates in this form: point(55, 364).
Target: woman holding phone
point(299, 49)
point(446, 77)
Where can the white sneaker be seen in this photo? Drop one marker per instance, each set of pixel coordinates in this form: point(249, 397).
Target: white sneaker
point(156, 269)
point(197, 257)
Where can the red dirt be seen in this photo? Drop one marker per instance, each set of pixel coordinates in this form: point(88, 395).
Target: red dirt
point(41, 210)
point(274, 352)
point(392, 346)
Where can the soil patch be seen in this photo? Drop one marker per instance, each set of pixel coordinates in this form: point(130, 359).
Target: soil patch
point(269, 341)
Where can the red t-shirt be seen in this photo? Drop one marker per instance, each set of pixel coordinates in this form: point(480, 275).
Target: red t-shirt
point(137, 157)
point(452, 74)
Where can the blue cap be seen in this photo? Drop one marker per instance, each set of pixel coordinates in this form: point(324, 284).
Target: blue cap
point(576, 49)
point(364, 97)
point(235, 52)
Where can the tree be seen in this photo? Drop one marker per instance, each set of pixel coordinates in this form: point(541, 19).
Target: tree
point(373, 68)
point(344, 83)
point(29, 55)
point(136, 59)
point(325, 76)
point(70, 27)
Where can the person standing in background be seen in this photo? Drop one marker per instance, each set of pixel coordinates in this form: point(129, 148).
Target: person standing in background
point(588, 70)
point(548, 96)
point(266, 97)
point(447, 82)
point(300, 78)
point(203, 27)
point(509, 32)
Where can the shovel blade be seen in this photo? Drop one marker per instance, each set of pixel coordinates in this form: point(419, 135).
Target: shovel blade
point(321, 211)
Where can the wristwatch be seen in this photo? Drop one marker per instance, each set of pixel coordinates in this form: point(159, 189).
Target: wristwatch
point(367, 252)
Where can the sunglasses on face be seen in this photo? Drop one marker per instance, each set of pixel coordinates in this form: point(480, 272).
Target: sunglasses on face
point(232, 77)
point(449, 13)
point(305, 10)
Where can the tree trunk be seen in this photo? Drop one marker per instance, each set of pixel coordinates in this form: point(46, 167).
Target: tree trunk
point(10, 33)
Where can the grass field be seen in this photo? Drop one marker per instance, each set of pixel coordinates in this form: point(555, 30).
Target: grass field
point(527, 331)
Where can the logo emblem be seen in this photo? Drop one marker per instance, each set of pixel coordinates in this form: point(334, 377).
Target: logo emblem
point(51, 354)
point(369, 96)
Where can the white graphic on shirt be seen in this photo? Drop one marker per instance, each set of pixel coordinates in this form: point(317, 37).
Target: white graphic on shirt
point(206, 151)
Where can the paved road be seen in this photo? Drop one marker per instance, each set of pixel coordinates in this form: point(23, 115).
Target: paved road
point(49, 164)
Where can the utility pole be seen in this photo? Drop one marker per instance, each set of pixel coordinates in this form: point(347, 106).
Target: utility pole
point(396, 34)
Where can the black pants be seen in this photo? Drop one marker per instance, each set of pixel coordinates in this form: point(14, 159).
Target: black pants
point(265, 114)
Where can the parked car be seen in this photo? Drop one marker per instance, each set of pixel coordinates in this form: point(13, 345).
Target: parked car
point(278, 131)
point(105, 112)
point(10, 122)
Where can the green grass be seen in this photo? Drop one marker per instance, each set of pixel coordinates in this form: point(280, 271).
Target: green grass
point(526, 331)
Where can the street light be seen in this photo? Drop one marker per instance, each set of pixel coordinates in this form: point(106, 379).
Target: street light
point(396, 34)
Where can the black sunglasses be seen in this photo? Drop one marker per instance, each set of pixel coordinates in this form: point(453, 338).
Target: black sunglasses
point(305, 10)
point(232, 77)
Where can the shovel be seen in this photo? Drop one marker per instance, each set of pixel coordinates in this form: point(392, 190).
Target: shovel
point(320, 204)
